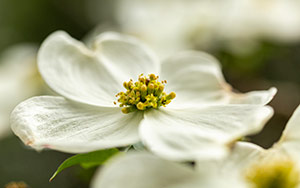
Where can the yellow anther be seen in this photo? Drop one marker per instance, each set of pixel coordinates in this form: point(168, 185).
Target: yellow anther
point(144, 88)
point(160, 89)
point(140, 106)
point(141, 78)
point(130, 84)
point(152, 77)
point(143, 91)
point(127, 110)
point(125, 84)
point(171, 96)
point(146, 93)
point(137, 94)
point(150, 88)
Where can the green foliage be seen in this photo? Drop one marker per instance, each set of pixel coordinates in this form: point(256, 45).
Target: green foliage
point(251, 62)
point(86, 160)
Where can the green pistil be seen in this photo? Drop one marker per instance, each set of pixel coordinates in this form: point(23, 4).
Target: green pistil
point(144, 94)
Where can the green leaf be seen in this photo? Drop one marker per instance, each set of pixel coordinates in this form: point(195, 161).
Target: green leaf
point(86, 160)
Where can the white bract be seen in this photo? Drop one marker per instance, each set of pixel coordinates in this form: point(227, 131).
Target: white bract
point(278, 166)
point(19, 80)
point(201, 121)
point(248, 166)
point(172, 25)
point(137, 170)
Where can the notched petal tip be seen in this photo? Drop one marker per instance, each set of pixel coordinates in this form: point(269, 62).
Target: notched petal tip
point(114, 36)
point(57, 39)
point(67, 65)
point(29, 143)
point(262, 97)
point(123, 38)
point(19, 123)
point(109, 35)
point(262, 116)
point(127, 56)
point(272, 92)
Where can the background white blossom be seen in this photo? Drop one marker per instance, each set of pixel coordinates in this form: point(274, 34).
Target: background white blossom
point(19, 80)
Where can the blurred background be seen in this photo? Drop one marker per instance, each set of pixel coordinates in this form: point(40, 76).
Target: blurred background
point(256, 41)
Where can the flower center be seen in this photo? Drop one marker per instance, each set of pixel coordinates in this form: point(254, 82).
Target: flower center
point(144, 94)
point(274, 173)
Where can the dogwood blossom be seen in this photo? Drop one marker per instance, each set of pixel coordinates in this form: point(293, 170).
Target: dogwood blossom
point(149, 171)
point(172, 25)
point(201, 118)
point(278, 166)
point(19, 80)
point(248, 166)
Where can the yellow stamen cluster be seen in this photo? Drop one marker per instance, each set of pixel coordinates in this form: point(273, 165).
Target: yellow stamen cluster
point(274, 173)
point(146, 93)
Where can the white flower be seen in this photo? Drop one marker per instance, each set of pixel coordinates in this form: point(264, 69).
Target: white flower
point(19, 80)
point(137, 170)
point(262, 168)
point(172, 25)
point(200, 122)
point(248, 166)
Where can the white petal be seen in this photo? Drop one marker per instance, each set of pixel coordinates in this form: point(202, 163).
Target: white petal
point(141, 170)
point(290, 139)
point(56, 123)
point(190, 134)
point(196, 78)
point(147, 171)
point(125, 55)
point(242, 156)
point(292, 129)
point(75, 72)
point(236, 164)
point(253, 97)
